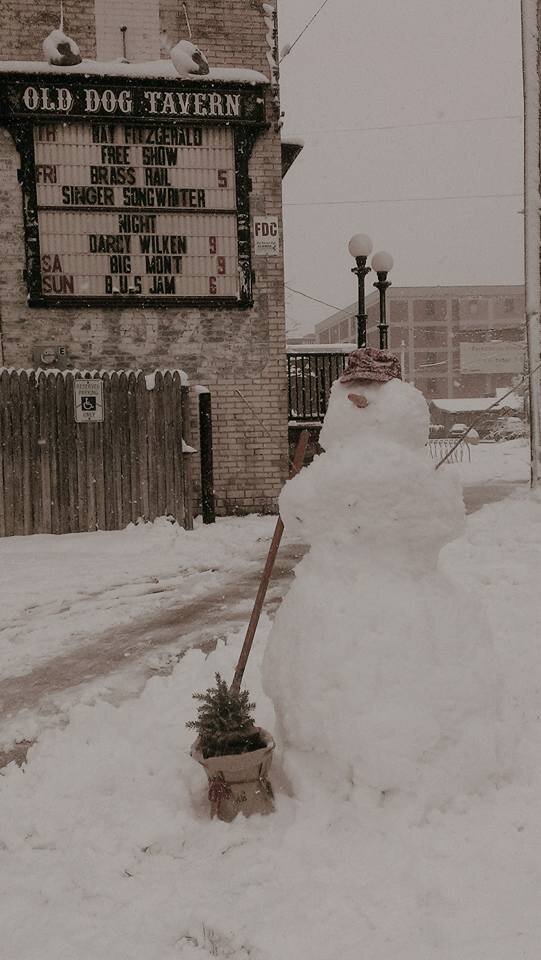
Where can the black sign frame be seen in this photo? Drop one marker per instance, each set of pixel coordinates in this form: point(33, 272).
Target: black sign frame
point(246, 118)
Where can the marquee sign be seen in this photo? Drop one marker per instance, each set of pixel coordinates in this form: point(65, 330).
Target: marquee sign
point(74, 96)
point(134, 195)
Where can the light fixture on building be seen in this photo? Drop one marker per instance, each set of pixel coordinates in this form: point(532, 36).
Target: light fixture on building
point(360, 247)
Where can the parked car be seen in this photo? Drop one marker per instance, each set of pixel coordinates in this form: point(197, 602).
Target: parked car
point(457, 430)
point(507, 428)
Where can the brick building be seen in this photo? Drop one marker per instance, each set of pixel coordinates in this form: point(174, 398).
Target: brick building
point(460, 341)
point(220, 320)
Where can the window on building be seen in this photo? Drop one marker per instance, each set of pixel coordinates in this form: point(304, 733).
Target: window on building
point(397, 335)
point(430, 308)
point(435, 387)
point(398, 311)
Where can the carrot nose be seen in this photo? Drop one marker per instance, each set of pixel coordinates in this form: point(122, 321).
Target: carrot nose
point(358, 399)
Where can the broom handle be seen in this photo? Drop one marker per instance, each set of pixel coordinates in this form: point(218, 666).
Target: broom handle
point(298, 461)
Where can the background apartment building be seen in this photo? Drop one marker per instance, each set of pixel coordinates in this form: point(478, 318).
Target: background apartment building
point(461, 341)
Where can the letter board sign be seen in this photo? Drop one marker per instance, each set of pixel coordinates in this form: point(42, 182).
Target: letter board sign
point(134, 194)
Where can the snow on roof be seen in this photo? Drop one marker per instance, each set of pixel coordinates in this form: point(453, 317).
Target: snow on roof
point(464, 404)
point(153, 69)
point(294, 141)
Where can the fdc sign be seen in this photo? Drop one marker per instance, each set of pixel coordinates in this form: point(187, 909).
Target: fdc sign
point(266, 237)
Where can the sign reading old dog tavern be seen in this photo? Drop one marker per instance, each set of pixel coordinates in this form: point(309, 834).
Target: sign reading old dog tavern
point(134, 193)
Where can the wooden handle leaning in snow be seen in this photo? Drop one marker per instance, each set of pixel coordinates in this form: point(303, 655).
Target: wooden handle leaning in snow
point(298, 461)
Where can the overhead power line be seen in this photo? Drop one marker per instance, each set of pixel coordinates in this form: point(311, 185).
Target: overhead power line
point(315, 299)
point(351, 203)
point(289, 47)
point(405, 126)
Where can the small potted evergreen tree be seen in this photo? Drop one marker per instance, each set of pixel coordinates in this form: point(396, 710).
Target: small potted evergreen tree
point(235, 753)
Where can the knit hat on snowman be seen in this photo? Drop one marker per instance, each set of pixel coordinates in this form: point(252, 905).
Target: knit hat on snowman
point(369, 365)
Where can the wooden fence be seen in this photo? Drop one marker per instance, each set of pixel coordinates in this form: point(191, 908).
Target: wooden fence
point(59, 476)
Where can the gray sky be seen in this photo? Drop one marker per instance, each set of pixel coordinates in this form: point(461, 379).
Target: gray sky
point(391, 63)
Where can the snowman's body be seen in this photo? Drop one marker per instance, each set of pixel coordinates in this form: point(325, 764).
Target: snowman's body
point(381, 670)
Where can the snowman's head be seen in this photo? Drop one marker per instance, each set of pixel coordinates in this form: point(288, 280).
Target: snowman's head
point(394, 410)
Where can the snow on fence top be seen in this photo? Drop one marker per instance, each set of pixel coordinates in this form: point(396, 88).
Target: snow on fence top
point(150, 378)
point(153, 69)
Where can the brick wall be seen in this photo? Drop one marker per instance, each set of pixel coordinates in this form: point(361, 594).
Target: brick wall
point(230, 32)
point(142, 19)
point(226, 350)
point(25, 24)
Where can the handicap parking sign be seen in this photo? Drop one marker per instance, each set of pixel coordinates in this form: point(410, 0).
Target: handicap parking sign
point(88, 396)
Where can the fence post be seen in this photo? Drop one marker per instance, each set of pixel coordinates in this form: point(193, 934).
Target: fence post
point(185, 458)
point(207, 471)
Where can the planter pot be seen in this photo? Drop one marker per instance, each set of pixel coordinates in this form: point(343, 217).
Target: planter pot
point(238, 783)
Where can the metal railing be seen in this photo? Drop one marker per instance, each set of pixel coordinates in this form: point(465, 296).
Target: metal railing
point(310, 377)
point(439, 447)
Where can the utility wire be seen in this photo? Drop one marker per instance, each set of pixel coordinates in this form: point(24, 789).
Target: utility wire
point(405, 126)
point(338, 203)
point(315, 299)
point(304, 29)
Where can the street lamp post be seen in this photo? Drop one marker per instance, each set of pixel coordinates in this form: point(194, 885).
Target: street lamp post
point(360, 247)
point(382, 262)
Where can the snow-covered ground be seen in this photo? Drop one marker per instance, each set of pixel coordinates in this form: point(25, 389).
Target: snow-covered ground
point(60, 592)
point(105, 842)
point(493, 462)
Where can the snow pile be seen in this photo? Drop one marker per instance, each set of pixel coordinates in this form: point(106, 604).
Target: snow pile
point(499, 558)
point(506, 460)
point(107, 851)
point(366, 658)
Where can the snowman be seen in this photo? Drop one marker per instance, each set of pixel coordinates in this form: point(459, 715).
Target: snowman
point(382, 671)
